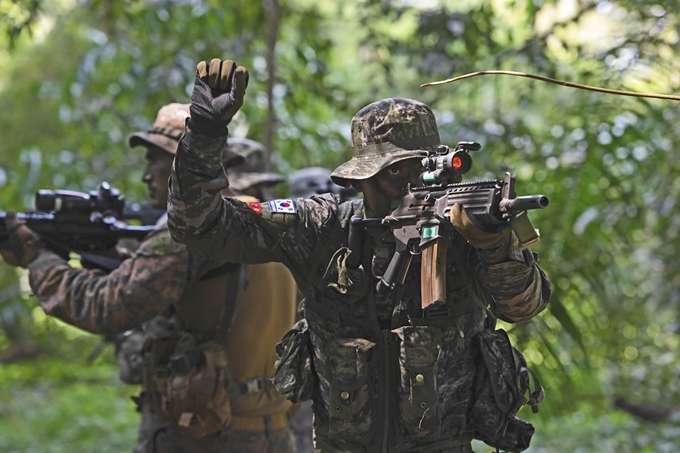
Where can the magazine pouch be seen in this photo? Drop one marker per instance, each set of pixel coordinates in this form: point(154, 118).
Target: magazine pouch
point(196, 391)
point(294, 377)
point(502, 387)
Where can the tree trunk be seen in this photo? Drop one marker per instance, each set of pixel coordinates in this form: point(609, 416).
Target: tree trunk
point(273, 9)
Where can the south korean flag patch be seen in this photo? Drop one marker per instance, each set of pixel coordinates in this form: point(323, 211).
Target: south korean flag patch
point(283, 206)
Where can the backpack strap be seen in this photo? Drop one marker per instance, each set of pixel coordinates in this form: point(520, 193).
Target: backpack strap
point(234, 277)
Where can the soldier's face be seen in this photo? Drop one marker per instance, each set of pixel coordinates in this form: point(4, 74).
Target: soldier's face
point(156, 174)
point(389, 184)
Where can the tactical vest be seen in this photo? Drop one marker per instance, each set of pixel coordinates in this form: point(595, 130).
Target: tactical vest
point(386, 376)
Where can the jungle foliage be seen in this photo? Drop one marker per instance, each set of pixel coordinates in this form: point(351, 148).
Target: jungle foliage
point(79, 76)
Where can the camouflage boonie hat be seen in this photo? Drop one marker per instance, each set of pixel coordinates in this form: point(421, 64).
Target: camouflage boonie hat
point(253, 170)
point(386, 132)
point(166, 130)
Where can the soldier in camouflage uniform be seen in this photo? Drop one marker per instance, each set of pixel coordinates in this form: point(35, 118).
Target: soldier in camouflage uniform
point(384, 374)
point(206, 386)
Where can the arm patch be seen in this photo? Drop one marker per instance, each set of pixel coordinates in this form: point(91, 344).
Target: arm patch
point(283, 206)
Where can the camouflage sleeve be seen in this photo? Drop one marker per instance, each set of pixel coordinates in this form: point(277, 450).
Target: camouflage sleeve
point(228, 229)
point(519, 288)
point(139, 289)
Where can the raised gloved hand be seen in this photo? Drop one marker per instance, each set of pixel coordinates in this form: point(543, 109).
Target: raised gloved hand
point(218, 94)
point(473, 231)
point(22, 243)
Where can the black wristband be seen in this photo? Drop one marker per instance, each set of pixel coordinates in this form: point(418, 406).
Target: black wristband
point(207, 127)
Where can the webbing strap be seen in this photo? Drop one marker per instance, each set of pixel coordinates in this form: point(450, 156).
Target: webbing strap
point(229, 306)
point(329, 246)
point(254, 385)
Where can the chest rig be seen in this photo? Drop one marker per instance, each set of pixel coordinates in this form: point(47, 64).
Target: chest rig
point(389, 372)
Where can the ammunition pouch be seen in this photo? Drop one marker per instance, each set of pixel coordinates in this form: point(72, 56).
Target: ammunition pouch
point(181, 363)
point(516, 438)
point(189, 384)
point(128, 350)
point(502, 387)
point(294, 377)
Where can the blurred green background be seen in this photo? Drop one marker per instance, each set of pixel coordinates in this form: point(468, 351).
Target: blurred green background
point(79, 76)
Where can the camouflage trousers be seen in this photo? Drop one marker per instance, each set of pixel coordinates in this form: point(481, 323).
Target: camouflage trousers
point(302, 425)
point(158, 435)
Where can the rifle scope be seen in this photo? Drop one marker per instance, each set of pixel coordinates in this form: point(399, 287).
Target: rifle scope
point(448, 165)
point(106, 199)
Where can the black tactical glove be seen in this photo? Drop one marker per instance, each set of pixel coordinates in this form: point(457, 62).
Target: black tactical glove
point(22, 245)
point(473, 231)
point(218, 94)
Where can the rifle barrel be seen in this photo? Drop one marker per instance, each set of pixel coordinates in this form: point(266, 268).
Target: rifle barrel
point(527, 203)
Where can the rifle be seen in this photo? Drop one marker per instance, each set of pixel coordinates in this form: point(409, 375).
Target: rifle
point(84, 223)
point(420, 220)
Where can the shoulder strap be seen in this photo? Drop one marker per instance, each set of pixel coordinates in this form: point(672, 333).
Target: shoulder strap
point(328, 246)
point(229, 306)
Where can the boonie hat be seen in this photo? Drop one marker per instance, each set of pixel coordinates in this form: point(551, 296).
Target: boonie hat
point(386, 132)
point(253, 170)
point(166, 130)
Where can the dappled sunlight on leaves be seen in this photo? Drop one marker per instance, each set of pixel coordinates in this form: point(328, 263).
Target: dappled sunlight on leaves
point(609, 164)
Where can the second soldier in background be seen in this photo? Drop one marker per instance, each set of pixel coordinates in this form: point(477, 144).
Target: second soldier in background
point(209, 328)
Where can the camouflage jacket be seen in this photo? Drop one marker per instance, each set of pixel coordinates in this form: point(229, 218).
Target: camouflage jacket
point(163, 274)
point(365, 350)
point(143, 286)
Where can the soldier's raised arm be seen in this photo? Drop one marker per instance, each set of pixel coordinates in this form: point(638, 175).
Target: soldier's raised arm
point(198, 177)
point(211, 225)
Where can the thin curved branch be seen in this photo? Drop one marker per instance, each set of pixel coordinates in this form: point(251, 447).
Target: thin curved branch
point(555, 81)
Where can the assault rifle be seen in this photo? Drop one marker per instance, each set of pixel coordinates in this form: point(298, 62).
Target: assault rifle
point(84, 223)
point(420, 220)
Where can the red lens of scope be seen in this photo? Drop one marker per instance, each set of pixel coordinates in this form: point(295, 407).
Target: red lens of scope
point(460, 162)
